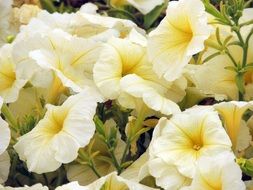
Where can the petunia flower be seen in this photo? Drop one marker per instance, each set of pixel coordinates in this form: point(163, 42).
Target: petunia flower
point(57, 138)
point(123, 68)
point(5, 164)
point(217, 172)
point(232, 113)
point(74, 69)
point(10, 81)
point(34, 187)
point(109, 182)
point(187, 136)
point(5, 134)
point(180, 35)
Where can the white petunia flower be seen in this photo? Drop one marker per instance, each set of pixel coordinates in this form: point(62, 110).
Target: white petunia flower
point(244, 138)
point(231, 113)
point(57, 138)
point(81, 24)
point(180, 35)
point(223, 81)
point(217, 172)
point(123, 68)
point(10, 81)
point(74, 69)
point(34, 187)
point(5, 134)
point(166, 175)
point(187, 136)
point(110, 182)
point(4, 166)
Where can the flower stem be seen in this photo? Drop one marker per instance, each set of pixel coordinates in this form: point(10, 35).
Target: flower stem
point(10, 118)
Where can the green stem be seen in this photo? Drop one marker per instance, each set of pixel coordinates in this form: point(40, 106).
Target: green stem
point(94, 169)
point(10, 117)
point(128, 143)
point(115, 161)
point(231, 57)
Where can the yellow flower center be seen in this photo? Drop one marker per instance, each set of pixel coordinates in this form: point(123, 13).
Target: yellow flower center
point(7, 76)
point(197, 147)
point(54, 121)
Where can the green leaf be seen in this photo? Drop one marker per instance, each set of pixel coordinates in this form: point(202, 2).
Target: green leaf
point(151, 17)
point(99, 126)
point(123, 14)
point(231, 68)
point(48, 5)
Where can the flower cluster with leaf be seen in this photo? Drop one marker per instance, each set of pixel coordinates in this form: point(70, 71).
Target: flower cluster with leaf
point(126, 95)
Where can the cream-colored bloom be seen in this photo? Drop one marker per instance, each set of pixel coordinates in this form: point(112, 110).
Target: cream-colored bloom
point(4, 166)
point(216, 173)
point(166, 175)
point(112, 181)
point(34, 187)
point(71, 186)
point(74, 68)
point(10, 81)
point(144, 6)
point(57, 138)
point(138, 170)
point(123, 68)
point(5, 134)
point(180, 35)
point(244, 138)
point(109, 182)
point(222, 83)
point(81, 24)
point(232, 113)
point(187, 136)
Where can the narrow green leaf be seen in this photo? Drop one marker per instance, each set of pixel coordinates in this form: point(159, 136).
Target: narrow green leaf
point(151, 17)
point(48, 5)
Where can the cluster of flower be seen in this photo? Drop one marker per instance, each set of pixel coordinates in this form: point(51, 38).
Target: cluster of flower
point(58, 70)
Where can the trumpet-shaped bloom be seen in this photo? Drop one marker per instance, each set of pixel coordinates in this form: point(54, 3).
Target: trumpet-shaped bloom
point(80, 24)
point(5, 134)
point(218, 172)
point(222, 83)
point(57, 138)
point(34, 187)
point(4, 166)
point(180, 35)
point(187, 136)
point(232, 113)
point(74, 68)
point(144, 6)
point(166, 175)
point(10, 82)
point(123, 68)
point(109, 182)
